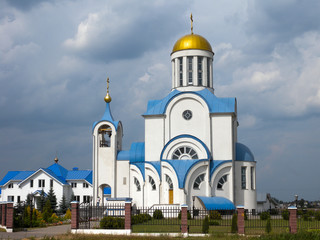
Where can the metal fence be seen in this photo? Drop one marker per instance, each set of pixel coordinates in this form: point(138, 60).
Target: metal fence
point(308, 219)
point(90, 215)
point(157, 219)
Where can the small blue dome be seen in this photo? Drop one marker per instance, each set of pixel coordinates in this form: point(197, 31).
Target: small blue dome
point(243, 153)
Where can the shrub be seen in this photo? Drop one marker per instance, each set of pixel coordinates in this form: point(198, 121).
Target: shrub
point(214, 223)
point(274, 211)
point(140, 218)
point(245, 215)
point(234, 225)
point(317, 215)
point(268, 226)
point(285, 214)
point(214, 215)
point(205, 225)
point(68, 214)
point(54, 218)
point(188, 215)
point(264, 216)
point(112, 223)
point(157, 214)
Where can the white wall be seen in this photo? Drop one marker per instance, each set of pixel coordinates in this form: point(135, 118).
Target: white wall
point(123, 181)
point(154, 138)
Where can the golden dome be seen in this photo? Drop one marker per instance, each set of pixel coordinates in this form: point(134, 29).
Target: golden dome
point(192, 41)
point(107, 98)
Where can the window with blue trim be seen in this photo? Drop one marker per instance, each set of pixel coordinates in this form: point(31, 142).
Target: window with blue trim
point(198, 181)
point(221, 181)
point(137, 183)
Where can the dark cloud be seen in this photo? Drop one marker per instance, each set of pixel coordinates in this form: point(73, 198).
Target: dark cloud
point(25, 5)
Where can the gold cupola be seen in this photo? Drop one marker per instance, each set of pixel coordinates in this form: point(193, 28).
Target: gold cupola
point(107, 98)
point(192, 41)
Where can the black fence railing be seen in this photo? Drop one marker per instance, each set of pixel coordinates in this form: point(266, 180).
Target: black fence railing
point(90, 215)
point(156, 219)
point(308, 219)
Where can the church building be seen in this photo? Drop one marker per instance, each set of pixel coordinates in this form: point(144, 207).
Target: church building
point(190, 154)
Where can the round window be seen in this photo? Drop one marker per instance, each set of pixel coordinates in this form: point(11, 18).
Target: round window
point(187, 114)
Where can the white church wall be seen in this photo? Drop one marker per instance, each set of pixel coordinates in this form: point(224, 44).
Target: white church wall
point(198, 125)
point(226, 190)
point(245, 196)
point(152, 196)
point(222, 142)
point(137, 194)
point(123, 180)
point(197, 170)
point(154, 138)
point(169, 171)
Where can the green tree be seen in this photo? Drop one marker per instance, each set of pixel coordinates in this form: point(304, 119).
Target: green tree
point(53, 199)
point(41, 200)
point(63, 205)
point(205, 225)
point(47, 211)
point(234, 225)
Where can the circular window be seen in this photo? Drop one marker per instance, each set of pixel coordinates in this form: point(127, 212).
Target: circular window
point(187, 114)
point(184, 153)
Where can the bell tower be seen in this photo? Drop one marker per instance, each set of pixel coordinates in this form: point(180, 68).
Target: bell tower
point(107, 141)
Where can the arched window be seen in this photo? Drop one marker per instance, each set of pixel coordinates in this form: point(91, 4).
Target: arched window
point(137, 183)
point(105, 133)
point(169, 181)
point(198, 181)
point(221, 181)
point(152, 182)
point(184, 153)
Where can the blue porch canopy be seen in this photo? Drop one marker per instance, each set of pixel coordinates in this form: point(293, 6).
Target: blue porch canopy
point(216, 203)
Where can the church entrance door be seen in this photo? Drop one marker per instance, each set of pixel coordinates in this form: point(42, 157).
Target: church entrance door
point(170, 196)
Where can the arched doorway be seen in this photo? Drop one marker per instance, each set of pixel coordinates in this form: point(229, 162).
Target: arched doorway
point(169, 181)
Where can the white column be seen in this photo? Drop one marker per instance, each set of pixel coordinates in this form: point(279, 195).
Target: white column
point(185, 71)
point(204, 72)
point(195, 71)
point(173, 73)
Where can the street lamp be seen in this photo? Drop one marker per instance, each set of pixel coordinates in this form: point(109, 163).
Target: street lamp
point(193, 198)
point(296, 197)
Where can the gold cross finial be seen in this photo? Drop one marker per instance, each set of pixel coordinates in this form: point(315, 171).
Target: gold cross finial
point(191, 23)
point(107, 98)
point(108, 85)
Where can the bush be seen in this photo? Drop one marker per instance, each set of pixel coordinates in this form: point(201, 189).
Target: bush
point(285, 214)
point(140, 218)
point(234, 225)
point(245, 215)
point(205, 225)
point(214, 223)
point(188, 215)
point(268, 226)
point(54, 218)
point(317, 215)
point(274, 211)
point(214, 215)
point(157, 214)
point(264, 216)
point(112, 223)
point(68, 214)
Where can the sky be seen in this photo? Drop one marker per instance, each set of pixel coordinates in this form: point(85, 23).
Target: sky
point(55, 57)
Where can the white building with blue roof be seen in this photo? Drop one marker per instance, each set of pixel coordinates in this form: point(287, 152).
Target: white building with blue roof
point(17, 185)
point(190, 154)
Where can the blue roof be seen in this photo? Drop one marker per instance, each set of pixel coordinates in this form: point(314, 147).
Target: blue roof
point(182, 168)
point(107, 116)
point(51, 173)
point(80, 175)
point(39, 192)
point(8, 177)
point(140, 165)
point(243, 153)
point(137, 152)
point(22, 175)
point(123, 155)
point(58, 170)
point(217, 203)
point(157, 166)
point(215, 104)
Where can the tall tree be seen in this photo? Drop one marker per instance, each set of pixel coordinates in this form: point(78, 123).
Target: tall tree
point(41, 201)
point(47, 211)
point(63, 205)
point(53, 199)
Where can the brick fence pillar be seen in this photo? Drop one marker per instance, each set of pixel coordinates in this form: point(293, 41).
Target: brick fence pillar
point(184, 218)
point(3, 217)
point(240, 211)
point(127, 216)
point(293, 219)
point(9, 217)
point(75, 215)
